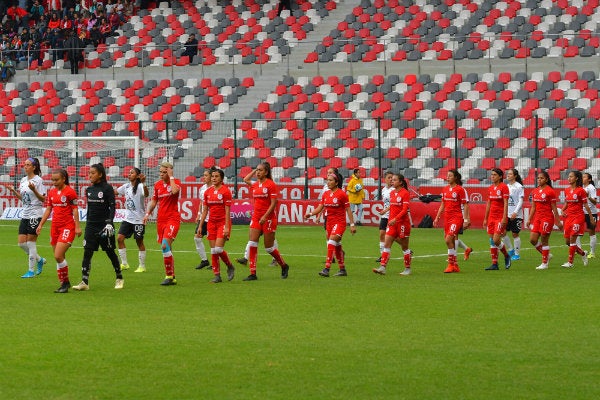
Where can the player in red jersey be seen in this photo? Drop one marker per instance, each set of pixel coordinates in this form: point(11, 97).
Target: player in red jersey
point(398, 224)
point(575, 202)
point(264, 192)
point(62, 201)
point(542, 216)
point(455, 208)
point(336, 205)
point(217, 202)
point(168, 219)
point(496, 217)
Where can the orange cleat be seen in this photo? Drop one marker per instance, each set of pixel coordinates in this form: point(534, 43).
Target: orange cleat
point(449, 269)
point(468, 251)
point(455, 267)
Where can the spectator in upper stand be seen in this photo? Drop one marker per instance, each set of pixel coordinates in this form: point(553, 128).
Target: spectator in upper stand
point(7, 69)
point(18, 15)
point(73, 47)
point(191, 47)
point(36, 11)
point(115, 21)
point(105, 30)
point(68, 7)
point(54, 5)
point(109, 7)
point(284, 4)
point(66, 23)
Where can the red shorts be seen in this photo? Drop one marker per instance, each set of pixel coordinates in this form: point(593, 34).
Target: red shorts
point(495, 227)
point(542, 227)
point(453, 226)
point(269, 226)
point(214, 229)
point(167, 230)
point(62, 234)
point(335, 229)
point(401, 229)
point(574, 227)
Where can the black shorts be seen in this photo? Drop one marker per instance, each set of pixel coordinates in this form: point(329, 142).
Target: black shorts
point(93, 240)
point(203, 230)
point(28, 226)
point(128, 229)
point(588, 223)
point(514, 225)
point(383, 222)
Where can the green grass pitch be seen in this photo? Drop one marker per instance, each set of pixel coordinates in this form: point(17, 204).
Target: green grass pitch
point(521, 333)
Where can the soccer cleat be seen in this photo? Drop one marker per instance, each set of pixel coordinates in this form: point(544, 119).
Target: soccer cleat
point(378, 260)
point(251, 277)
point(242, 260)
point(507, 262)
point(511, 253)
point(28, 274)
point(119, 284)
point(324, 272)
point(515, 257)
point(273, 263)
point(406, 272)
point(493, 267)
point(203, 264)
point(341, 272)
point(284, 271)
point(230, 272)
point(63, 288)
point(380, 270)
point(124, 267)
point(468, 252)
point(141, 268)
point(169, 281)
point(591, 255)
point(449, 269)
point(82, 286)
point(216, 279)
point(542, 266)
point(455, 268)
point(584, 258)
point(40, 265)
point(567, 265)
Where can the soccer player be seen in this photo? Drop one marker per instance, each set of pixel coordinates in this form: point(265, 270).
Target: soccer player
point(264, 192)
point(575, 202)
point(383, 221)
point(166, 197)
point(62, 203)
point(201, 229)
point(516, 194)
point(217, 202)
point(135, 193)
point(542, 217)
point(496, 217)
point(336, 206)
point(398, 226)
point(455, 208)
point(99, 229)
point(592, 195)
point(356, 194)
point(32, 194)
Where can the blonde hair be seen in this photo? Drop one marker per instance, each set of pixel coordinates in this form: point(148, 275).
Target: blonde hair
point(166, 164)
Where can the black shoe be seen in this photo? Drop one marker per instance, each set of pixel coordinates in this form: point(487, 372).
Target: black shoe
point(284, 271)
point(358, 223)
point(341, 272)
point(378, 260)
point(251, 277)
point(216, 279)
point(242, 260)
point(203, 264)
point(169, 282)
point(493, 267)
point(230, 272)
point(64, 287)
point(325, 272)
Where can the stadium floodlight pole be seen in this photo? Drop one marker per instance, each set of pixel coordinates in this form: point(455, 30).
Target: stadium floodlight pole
point(537, 148)
point(456, 142)
point(235, 159)
point(380, 167)
point(305, 158)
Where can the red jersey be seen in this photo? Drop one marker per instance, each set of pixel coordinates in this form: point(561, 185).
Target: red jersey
point(543, 199)
point(453, 199)
point(575, 200)
point(216, 200)
point(335, 205)
point(497, 194)
point(168, 203)
point(399, 205)
point(62, 202)
point(262, 193)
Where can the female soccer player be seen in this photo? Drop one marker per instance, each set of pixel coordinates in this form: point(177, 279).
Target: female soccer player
point(62, 203)
point(336, 205)
point(99, 229)
point(398, 226)
point(135, 192)
point(385, 197)
point(217, 202)
point(592, 195)
point(455, 208)
point(264, 218)
point(32, 194)
point(575, 203)
point(496, 217)
point(201, 229)
point(166, 197)
point(515, 213)
point(542, 217)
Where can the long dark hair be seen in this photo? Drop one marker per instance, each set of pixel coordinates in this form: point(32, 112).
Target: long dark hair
point(457, 176)
point(516, 174)
point(63, 172)
point(499, 172)
point(402, 180)
point(137, 180)
point(267, 168)
point(589, 176)
point(36, 165)
point(100, 168)
point(547, 176)
point(578, 178)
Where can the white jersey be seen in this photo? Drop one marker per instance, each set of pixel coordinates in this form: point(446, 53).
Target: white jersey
point(515, 199)
point(592, 193)
point(385, 196)
point(135, 206)
point(203, 190)
point(32, 206)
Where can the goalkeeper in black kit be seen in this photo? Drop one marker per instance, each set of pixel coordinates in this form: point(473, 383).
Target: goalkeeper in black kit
point(99, 229)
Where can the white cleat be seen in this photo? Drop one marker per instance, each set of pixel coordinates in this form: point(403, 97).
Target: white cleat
point(567, 265)
point(119, 284)
point(380, 270)
point(406, 272)
point(81, 287)
point(542, 266)
point(584, 258)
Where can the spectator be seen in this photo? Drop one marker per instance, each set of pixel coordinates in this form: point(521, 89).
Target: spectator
point(73, 46)
point(36, 11)
point(19, 16)
point(7, 69)
point(191, 47)
point(284, 4)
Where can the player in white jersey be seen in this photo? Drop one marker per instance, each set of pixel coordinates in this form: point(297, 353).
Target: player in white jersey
point(383, 222)
point(135, 193)
point(201, 231)
point(592, 194)
point(515, 213)
point(32, 194)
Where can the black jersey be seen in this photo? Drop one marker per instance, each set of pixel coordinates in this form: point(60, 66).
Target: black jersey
point(100, 203)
